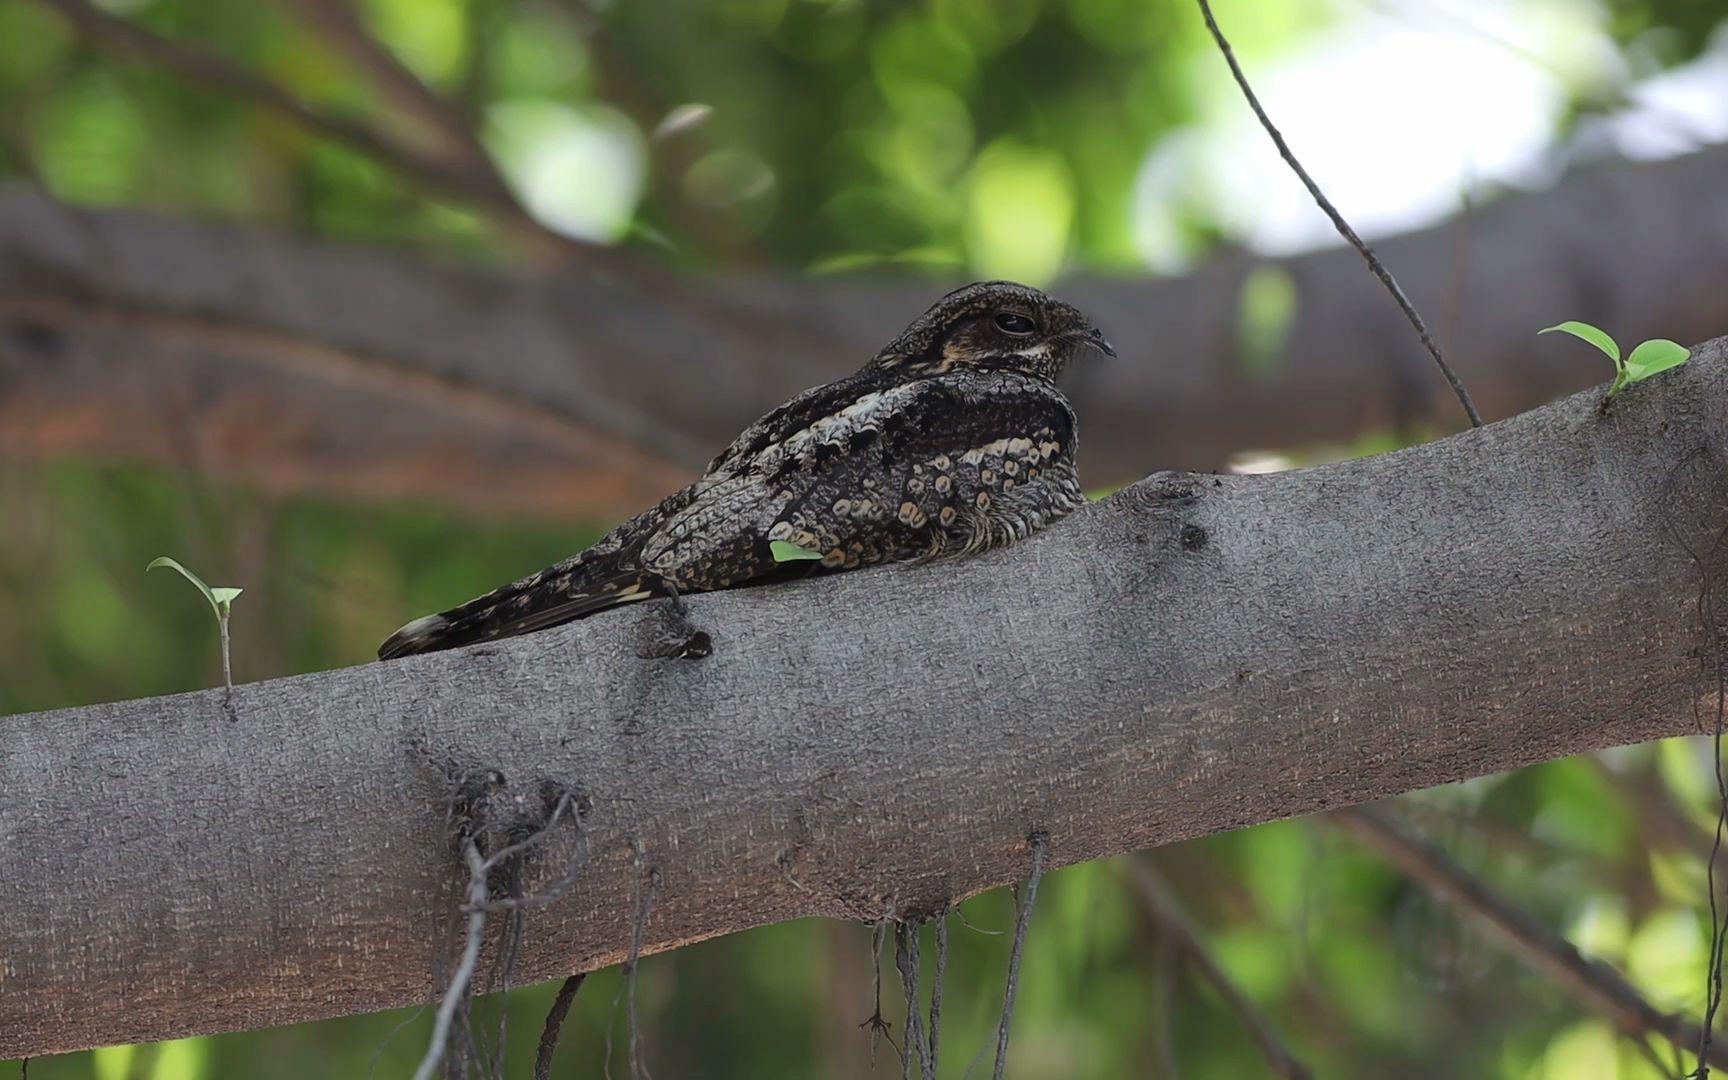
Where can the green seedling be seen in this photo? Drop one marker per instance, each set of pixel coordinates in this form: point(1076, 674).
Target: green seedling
point(1655, 355)
point(784, 552)
point(221, 599)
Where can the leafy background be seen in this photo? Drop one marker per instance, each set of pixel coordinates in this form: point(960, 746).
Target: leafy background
point(979, 137)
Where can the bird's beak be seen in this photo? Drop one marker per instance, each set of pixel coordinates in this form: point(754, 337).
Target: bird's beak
point(1095, 338)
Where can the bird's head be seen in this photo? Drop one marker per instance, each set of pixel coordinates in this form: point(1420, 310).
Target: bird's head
point(993, 326)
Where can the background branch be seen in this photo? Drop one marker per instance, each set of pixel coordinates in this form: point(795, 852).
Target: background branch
point(320, 367)
point(468, 173)
point(1593, 983)
point(212, 67)
point(456, 143)
point(1172, 920)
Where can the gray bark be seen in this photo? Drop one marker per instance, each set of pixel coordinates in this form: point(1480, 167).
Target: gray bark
point(306, 365)
point(1194, 654)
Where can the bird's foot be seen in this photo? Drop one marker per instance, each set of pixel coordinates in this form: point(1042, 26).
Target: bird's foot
point(679, 639)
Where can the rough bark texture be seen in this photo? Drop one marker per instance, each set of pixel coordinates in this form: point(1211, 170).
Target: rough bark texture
point(595, 392)
point(1194, 654)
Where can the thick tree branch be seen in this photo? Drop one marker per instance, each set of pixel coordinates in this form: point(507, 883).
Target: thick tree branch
point(666, 371)
point(1194, 654)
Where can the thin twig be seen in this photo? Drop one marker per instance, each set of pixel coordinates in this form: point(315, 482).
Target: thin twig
point(1030, 894)
point(555, 1026)
point(1718, 919)
point(1718, 922)
point(1172, 917)
point(1593, 983)
point(1710, 660)
point(458, 989)
point(1338, 222)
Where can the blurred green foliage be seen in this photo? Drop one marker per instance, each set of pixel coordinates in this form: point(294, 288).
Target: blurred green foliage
point(837, 133)
point(1000, 135)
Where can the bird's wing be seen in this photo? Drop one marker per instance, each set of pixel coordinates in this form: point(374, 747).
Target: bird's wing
point(868, 481)
point(795, 415)
point(973, 459)
point(523, 612)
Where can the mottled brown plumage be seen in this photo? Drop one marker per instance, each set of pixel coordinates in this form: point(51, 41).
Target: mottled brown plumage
point(952, 439)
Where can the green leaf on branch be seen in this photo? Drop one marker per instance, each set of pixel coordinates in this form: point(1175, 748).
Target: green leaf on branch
point(1649, 358)
point(1657, 354)
point(220, 597)
point(1584, 331)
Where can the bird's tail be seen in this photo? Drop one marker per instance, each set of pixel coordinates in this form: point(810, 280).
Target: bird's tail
point(556, 595)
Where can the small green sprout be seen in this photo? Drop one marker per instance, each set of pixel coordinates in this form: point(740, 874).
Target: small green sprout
point(784, 552)
point(221, 599)
point(1657, 354)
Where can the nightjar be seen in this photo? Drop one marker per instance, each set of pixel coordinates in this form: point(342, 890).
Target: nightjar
point(952, 439)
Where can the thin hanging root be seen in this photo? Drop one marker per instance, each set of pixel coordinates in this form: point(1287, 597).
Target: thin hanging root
point(555, 1026)
point(509, 952)
point(906, 959)
point(936, 991)
point(482, 814)
point(457, 993)
point(1028, 895)
point(877, 1025)
point(638, 1069)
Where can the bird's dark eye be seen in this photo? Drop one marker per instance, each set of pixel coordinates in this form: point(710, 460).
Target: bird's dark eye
point(1015, 324)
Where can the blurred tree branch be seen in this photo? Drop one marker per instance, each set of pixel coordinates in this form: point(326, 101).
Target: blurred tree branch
point(1172, 919)
point(1594, 983)
point(1194, 654)
point(214, 68)
point(457, 164)
point(589, 392)
point(339, 24)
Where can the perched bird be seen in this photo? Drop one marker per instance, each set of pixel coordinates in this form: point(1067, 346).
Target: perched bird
point(953, 439)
